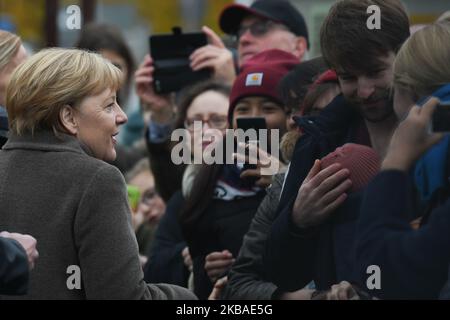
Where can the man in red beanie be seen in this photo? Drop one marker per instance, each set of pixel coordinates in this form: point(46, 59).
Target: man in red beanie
point(255, 92)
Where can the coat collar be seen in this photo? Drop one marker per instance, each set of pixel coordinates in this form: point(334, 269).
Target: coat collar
point(46, 140)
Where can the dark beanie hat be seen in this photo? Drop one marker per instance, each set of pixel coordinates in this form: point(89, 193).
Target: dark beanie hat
point(260, 76)
point(281, 11)
point(362, 162)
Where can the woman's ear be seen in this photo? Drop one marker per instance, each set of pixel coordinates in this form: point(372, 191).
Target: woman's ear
point(68, 120)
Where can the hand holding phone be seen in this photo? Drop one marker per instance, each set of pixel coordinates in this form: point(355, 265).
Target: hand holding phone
point(171, 59)
point(441, 117)
point(246, 124)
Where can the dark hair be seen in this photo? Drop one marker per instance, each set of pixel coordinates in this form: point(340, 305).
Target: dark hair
point(346, 41)
point(206, 177)
point(188, 94)
point(96, 37)
point(313, 94)
point(294, 85)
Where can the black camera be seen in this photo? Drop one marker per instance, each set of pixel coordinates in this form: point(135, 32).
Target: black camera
point(170, 53)
point(441, 117)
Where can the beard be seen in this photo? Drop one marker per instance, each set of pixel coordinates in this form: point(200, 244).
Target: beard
point(376, 108)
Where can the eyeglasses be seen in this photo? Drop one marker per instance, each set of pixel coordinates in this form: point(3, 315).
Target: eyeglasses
point(214, 121)
point(260, 28)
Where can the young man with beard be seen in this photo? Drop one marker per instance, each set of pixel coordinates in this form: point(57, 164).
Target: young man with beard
point(312, 238)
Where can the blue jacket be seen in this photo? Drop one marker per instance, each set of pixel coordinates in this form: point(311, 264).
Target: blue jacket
point(413, 263)
point(324, 253)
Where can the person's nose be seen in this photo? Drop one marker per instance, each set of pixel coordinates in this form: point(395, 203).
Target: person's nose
point(366, 87)
point(121, 117)
point(246, 38)
point(205, 125)
point(256, 112)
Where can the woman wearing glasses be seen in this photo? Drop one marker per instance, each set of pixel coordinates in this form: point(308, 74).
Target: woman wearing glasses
point(203, 106)
point(223, 199)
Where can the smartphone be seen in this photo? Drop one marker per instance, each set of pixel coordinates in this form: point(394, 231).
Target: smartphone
point(170, 53)
point(441, 117)
point(256, 123)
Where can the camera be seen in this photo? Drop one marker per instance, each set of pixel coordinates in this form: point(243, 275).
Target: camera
point(170, 53)
point(441, 117)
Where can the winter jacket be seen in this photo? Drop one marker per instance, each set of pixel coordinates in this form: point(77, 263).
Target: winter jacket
point(246, 278)
point(76, 207)
point(413, 264)
point(294, 257)
point(165, 262)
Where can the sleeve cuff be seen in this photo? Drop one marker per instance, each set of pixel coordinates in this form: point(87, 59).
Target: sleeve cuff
point(159, 132)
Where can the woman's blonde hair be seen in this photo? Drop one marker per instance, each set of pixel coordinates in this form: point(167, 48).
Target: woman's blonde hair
point(52, 79)
point(422, 65)
point(9, 46)
point(445, 16)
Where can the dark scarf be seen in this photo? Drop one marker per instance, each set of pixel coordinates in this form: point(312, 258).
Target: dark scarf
point(231, 187)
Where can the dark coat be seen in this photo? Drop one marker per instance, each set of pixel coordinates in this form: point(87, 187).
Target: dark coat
point(77, 209)
point(13, 268)
point(221, 227)
point(165, 263)
point(413, 263)
point(246, 277)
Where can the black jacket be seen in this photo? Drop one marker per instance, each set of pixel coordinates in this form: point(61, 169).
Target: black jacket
point(295, 257)
point(165, 264)
point(246, 279)
point(222, 227)
point(13, 268)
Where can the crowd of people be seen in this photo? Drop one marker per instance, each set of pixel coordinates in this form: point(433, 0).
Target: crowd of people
point(355, 209)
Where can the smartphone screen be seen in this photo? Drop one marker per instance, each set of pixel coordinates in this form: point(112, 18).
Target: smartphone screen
point(441, 117)
point(255, 123)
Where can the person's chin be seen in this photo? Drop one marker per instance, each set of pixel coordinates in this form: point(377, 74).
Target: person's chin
point(110, 156)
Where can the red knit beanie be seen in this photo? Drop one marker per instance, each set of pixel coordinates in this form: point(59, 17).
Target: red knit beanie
point(260, 76)
point(362, 162)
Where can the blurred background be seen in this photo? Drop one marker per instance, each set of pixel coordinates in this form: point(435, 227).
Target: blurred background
point(49, 23)
point(43, 23)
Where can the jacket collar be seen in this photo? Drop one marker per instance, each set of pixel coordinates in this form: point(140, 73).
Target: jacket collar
point(46, 140)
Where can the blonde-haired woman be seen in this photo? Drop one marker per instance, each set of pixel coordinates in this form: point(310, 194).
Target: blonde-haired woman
point(64, 120)
point(414, 264)
point(12, 53)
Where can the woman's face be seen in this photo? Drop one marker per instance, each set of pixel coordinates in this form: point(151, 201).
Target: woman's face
point(98, 119)
point(6, 72)
point(210, 107)
point(403, 101)
point(252, 107)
